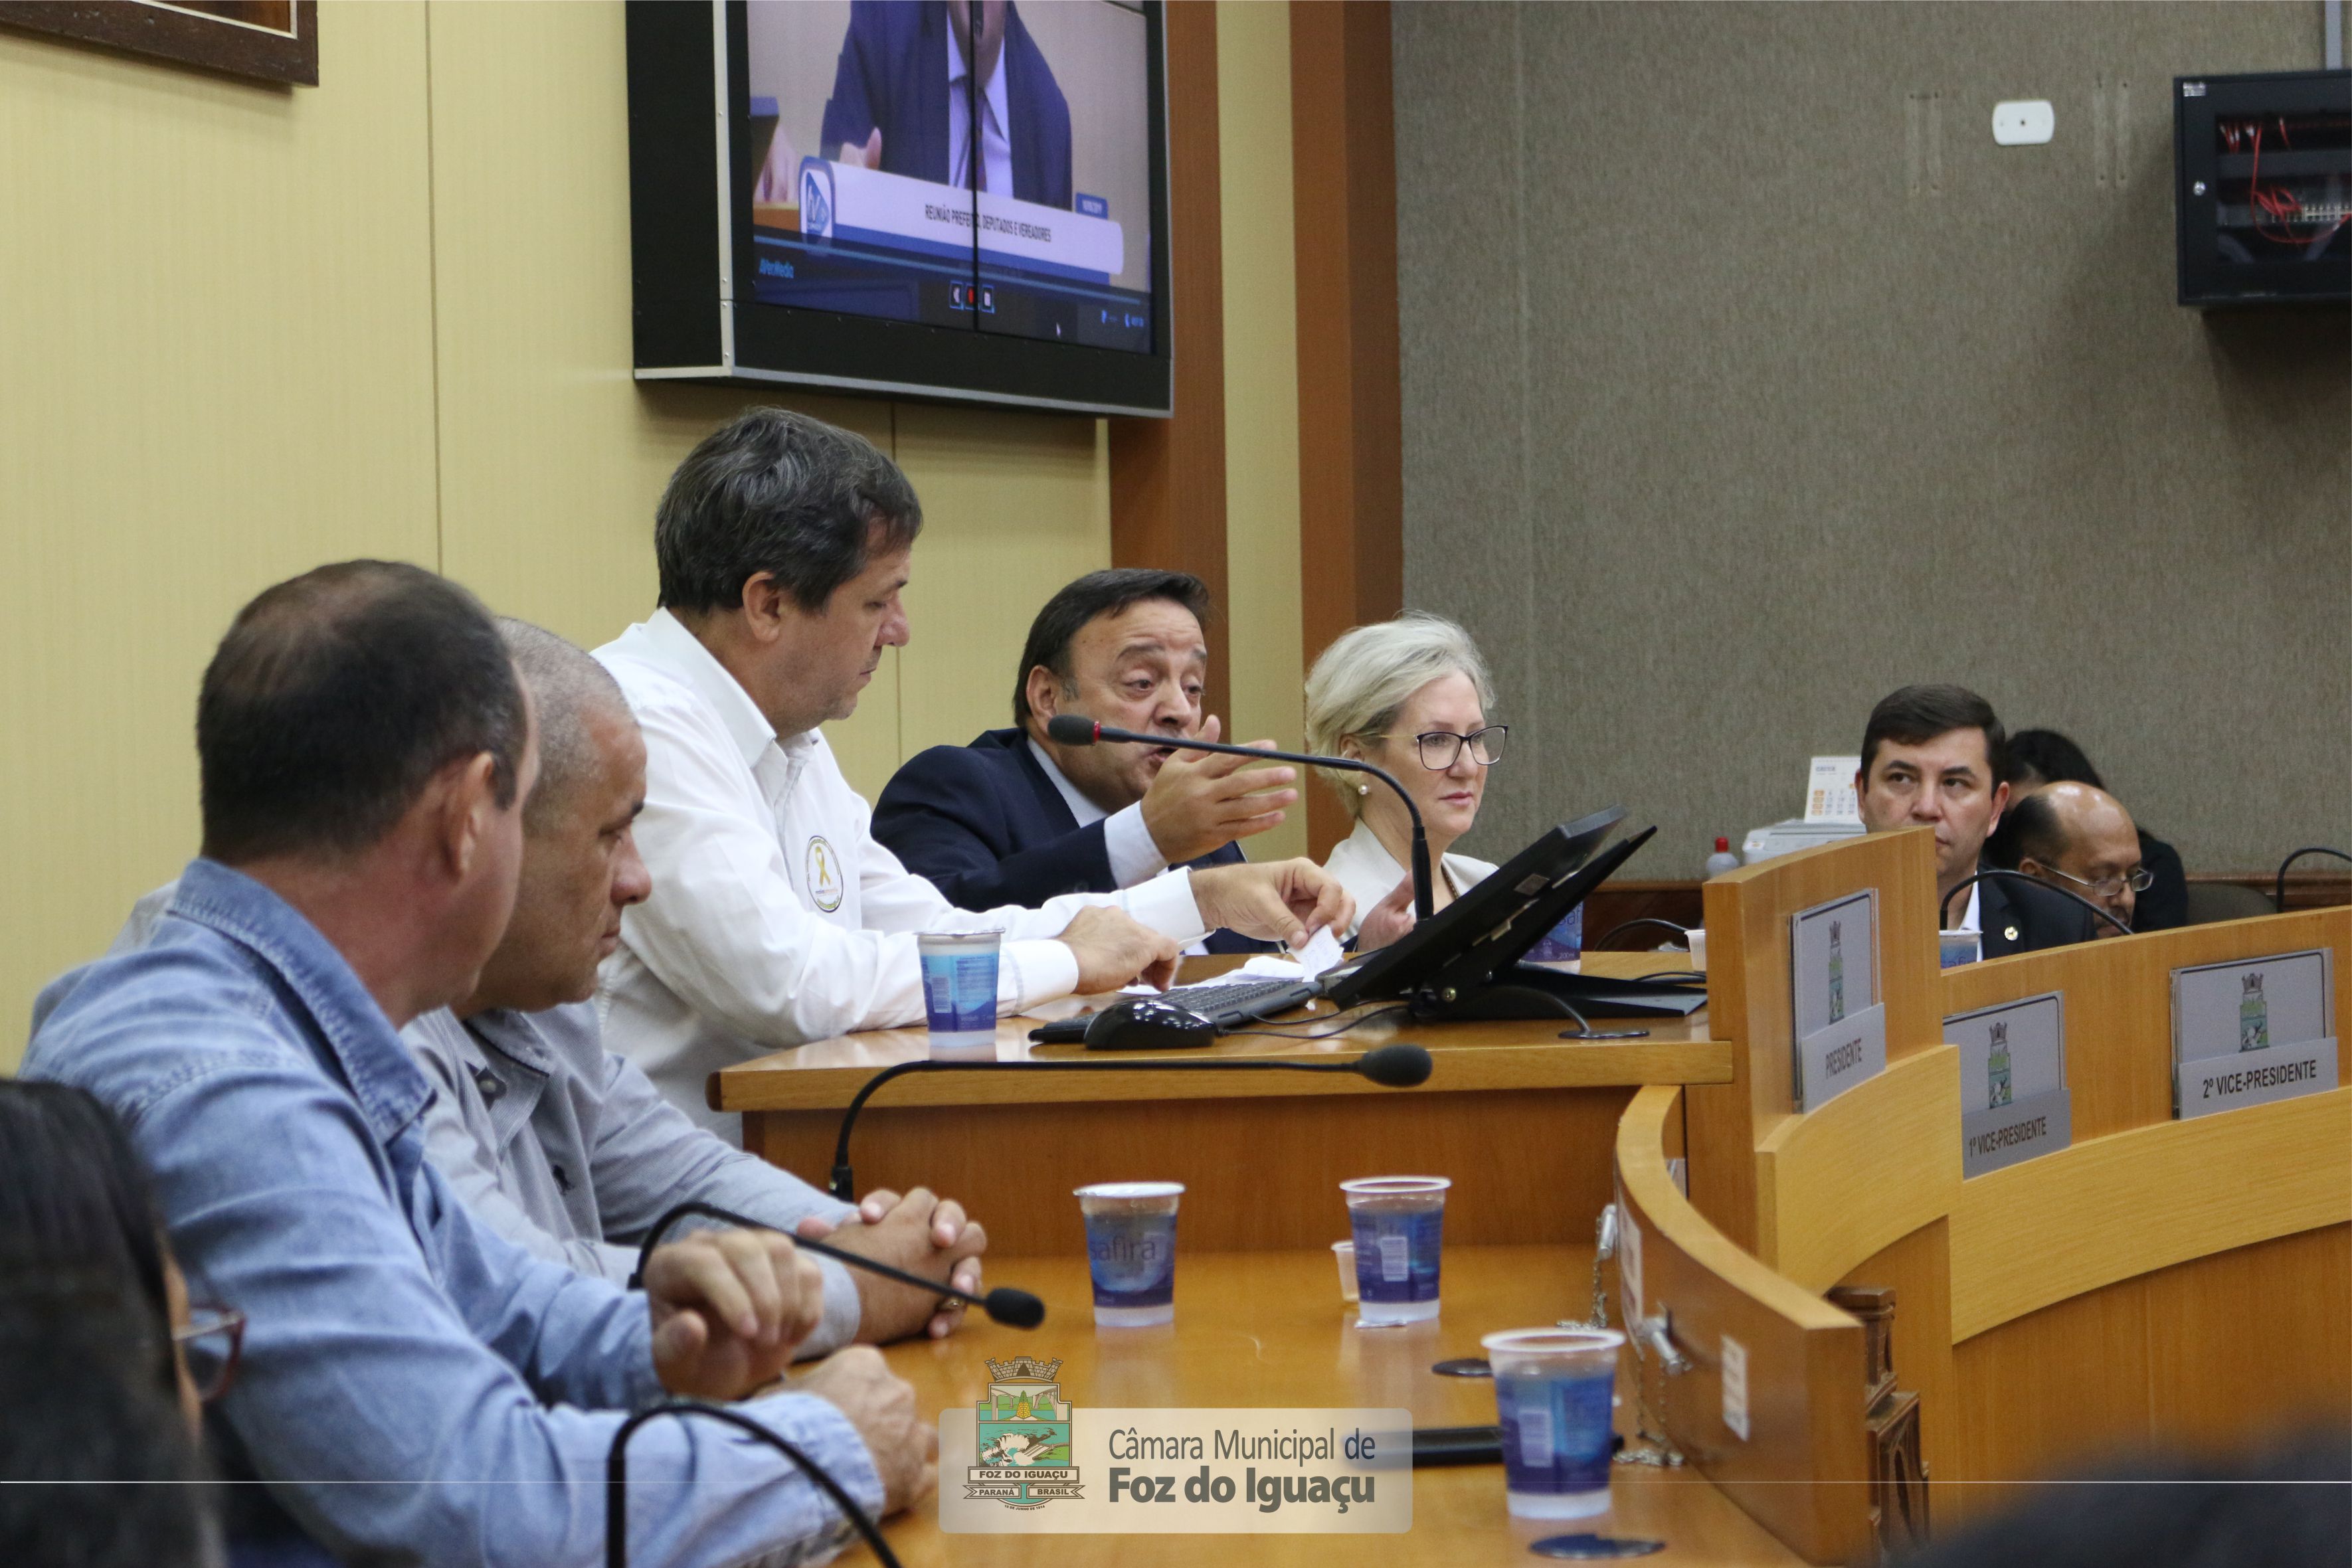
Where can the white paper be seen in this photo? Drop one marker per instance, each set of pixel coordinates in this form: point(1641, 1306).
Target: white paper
point(1321, 953)
point(1735, 1387)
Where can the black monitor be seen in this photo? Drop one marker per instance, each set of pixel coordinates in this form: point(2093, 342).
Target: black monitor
point(1463, 961)
point(822, 194)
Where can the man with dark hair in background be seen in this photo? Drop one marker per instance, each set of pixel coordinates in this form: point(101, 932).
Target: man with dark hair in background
point(902, 100)
point(560, 1145)
point(414, 1388)
point(1017, 817)
point(1934, 757)
point(776, 918)
point(2078, 839)
point(2039, 757)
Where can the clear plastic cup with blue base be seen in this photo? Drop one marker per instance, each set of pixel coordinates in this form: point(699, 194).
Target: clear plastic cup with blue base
point(1131, 1250)
point(959, 992)
point(1399, 1233)
point(1554, 1396)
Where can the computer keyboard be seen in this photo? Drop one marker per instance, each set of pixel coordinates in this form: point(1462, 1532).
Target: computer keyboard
point(1222, 1004)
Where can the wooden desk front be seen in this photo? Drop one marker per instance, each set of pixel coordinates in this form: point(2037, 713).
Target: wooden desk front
point(1268, 1328)
point(1521, 1120)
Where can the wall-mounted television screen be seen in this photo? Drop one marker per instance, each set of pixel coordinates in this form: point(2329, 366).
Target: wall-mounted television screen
point(956, 199)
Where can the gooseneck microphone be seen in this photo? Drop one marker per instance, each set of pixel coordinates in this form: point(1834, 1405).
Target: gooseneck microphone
point(617, 1476)
point(1073, 730)
point(1013, 1309)
point(1943, 910)
point(1398, 1065)
point(2278, 896)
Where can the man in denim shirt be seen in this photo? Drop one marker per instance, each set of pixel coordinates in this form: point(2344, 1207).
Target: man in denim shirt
point(414, 1388)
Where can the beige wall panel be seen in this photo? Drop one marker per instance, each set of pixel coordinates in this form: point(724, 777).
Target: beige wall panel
point(1736, 396)
point(1263, 569)
point(1015, 506)
point(552, 458)
point(218, 349)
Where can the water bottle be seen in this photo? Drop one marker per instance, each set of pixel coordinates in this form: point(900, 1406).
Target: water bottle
point(1723, 860)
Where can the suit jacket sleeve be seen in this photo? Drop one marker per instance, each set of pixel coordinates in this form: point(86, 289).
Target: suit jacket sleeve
point(850, 113)
point(944, 816)
point(2165, 905)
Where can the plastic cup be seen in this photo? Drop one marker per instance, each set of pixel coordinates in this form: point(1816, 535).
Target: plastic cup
point(1400, 1234)
point(1131, 1250)
point(1554, 1393)
point(959, 992)
point(1697, 939)
point(1345, 1251)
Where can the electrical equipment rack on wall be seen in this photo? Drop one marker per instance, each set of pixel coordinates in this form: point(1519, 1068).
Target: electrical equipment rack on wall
point(2263, 187)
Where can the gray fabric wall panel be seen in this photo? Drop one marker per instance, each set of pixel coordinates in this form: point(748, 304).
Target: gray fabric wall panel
point(1746, 379)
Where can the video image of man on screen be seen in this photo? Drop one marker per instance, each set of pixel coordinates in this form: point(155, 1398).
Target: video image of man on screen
point(994, 178)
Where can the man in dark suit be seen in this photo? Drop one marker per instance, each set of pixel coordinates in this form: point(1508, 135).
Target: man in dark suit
point(1018, 818)
point(1934, 757)
point(902, 101)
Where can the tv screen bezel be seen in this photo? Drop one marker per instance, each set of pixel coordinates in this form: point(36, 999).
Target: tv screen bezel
point(693, 323)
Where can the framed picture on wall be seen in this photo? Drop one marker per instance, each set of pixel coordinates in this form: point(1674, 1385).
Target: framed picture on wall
point(266, 40)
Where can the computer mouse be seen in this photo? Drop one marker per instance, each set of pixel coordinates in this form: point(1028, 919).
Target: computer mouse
point(1147, 1023)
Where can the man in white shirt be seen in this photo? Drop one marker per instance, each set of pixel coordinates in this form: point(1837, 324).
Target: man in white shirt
point(775, 918)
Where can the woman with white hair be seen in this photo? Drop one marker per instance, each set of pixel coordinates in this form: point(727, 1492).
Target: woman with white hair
point(1408, 696)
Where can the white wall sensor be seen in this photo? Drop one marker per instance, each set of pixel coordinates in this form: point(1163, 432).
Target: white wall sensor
point(2024, 122)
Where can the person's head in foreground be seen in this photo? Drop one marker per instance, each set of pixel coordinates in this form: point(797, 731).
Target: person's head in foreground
point(1933, 757)
point(2078, 839)
point(783, 544)
point(99, 1462)
point(1410, 696)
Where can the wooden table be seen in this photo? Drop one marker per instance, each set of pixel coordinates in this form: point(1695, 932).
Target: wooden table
point(1521, 1120)
point(1268, 1328)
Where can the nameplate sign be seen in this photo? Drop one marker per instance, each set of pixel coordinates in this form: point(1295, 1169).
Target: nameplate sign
point(2013, 1100)
point(2251, 1078)
point(1629, 1265)
point(1839, 1028)
point(2253, 1031)
point(1832, 1061)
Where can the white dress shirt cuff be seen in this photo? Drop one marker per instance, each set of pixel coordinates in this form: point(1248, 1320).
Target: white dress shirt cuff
point(1134, 857)
point(1166, 904)
point(1030, 972)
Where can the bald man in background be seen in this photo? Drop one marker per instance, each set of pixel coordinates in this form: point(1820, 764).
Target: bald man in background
point(2080, 839)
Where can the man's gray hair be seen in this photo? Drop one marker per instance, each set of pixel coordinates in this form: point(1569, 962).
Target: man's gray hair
point(568, 688)
point(1363, 680)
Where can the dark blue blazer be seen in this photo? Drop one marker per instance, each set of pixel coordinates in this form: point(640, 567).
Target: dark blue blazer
point(2025, 917)
point(893, 73)
point(986, 827)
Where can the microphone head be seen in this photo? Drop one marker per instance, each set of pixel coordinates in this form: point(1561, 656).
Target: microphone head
point(1400, 1065)
point(1071, 729)
point(1015, 1308)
